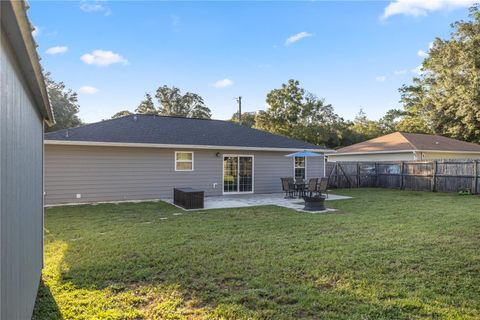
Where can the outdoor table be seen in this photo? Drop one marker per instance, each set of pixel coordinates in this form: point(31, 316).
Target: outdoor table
point(300, 187)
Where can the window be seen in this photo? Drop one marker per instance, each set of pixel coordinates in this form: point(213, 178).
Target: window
point(299, 167)
point(183, 161)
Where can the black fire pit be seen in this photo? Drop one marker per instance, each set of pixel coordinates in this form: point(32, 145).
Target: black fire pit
point(314, 203)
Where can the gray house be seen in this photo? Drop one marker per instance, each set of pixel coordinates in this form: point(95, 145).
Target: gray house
point(24, 108)
point(141, 157)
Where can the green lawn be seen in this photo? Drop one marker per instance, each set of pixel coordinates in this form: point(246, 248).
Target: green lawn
point(384, 255)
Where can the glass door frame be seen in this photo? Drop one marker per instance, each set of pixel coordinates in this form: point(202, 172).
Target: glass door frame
point(238, 172)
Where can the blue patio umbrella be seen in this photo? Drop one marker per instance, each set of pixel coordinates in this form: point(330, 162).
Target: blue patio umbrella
point(304, 154)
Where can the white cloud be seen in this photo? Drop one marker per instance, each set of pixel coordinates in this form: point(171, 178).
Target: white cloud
point(56, 50)
point(88, 90)
point(95, 6)
point(52, 34)
point(222, 83)
point(418, 8)
point(381, 78)
point(297, 37)
point(422, 54)
point(418, 70)
point(103, 58)
point(399, 72)
point(35, 31)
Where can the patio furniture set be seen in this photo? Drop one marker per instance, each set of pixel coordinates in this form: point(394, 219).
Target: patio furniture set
point(301, 188)
point(311, 192)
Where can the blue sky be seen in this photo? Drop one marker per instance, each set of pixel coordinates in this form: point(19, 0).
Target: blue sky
point(353, 54)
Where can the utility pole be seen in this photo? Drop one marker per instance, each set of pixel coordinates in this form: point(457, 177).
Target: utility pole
point(239, 100)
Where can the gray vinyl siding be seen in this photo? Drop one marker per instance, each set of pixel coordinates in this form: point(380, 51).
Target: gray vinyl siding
point(21, 204)
point(126, 173)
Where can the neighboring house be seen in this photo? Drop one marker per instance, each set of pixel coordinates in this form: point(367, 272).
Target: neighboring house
point(399, 146)
point(24, 107)
point(144, 157)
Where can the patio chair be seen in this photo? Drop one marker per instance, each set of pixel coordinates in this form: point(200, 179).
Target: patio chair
point(323, 186)
point(288, 187)
point(313, 186)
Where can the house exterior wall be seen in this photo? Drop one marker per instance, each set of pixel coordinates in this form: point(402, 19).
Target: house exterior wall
point(400, 156)
point(446, 156)
point(130, 173)
point(403, 156)
point(21, 187)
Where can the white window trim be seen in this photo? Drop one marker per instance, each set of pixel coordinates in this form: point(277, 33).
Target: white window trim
point(306, 165)
point(223, 173)
point(192, 161)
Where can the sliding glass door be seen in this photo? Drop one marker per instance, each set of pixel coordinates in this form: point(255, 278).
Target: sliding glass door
point(237, 174)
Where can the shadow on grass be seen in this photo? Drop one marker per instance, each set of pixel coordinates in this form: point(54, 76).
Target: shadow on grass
point(45, 306)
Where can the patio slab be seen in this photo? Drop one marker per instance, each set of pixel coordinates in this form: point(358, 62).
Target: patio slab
point(250, 200)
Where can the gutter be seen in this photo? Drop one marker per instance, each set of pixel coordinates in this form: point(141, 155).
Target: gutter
point(174, 146)
point(18, 30)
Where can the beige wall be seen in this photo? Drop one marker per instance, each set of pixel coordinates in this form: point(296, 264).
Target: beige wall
point(129, 173)
point(440, 155)
point(405, 156)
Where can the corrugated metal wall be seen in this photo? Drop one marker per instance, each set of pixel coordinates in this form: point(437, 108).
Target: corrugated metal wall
point(122, 173)
point(21, 205)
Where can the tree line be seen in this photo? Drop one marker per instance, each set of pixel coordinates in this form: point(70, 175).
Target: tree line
point(443, 99)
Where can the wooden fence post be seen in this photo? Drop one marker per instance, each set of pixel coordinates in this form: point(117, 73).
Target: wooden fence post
point(336, 174)
point(402, 183)
point(475, 177)
point(358, 174)
point(434, 176)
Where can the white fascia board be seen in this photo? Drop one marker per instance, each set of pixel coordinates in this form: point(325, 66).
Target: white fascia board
point(172, 146)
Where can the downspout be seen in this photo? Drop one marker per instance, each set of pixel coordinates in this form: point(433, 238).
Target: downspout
point(324, 165)
point(43, 190)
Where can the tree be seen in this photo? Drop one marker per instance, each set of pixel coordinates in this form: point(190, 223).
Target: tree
point(445, 98)
point(173, 103)
point(389, 122)
point(365, 128)
point(146, 106)
point(64, 104)
point(416, 117)
point(294, 112)
point(122, 113)
point(248, 118)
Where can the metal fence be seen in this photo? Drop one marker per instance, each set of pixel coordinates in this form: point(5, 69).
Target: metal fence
point(441, 175)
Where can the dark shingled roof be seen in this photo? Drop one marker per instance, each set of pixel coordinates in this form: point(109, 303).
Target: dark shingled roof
point(177, 131)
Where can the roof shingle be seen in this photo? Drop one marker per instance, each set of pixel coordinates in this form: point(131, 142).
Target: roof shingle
point(177, 131)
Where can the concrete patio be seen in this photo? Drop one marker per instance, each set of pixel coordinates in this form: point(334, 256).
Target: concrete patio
point(250, 200)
